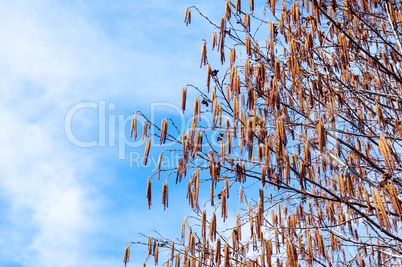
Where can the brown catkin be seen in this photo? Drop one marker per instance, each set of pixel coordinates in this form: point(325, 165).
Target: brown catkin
point(214, 42)
point(165, 195)
point(134, 127)
point(159, 164)
point(208, 76)
point(238, 6)
point(183, 98)
point(203, 54)
point(321, 136)
point(187, 17)
point(379, 114)
point(248, 45)
point(149, 193)
point(147, 148)
point(126, 255)
point(144, 131)
point(204, 224)
point(228, 11)
point(150, 245)
point(223, 147)
point(172, 251)
point(156, 253)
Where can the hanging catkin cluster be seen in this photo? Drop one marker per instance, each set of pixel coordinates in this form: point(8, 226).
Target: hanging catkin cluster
point(292, 156)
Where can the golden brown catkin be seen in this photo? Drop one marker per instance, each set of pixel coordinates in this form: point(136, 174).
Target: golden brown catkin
point(321, 136)
point(203, 54)
point(126, 255)
point(165, 195)
point(187, 17)
point(159, 164)
point(149, 193)
point(183, 98)
point(134, 127)
point(147, 148)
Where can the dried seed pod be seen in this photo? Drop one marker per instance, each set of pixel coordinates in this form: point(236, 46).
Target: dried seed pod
point(252, 6)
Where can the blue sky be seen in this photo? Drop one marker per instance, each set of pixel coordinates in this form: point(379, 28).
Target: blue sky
point(66, 205)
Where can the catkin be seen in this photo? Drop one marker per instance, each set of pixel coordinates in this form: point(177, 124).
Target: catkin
point(147, 148)
point(228, 11)
point(134, 127)
point(149, 193)
point(159, 164)
point(214, 42)
point(126, 255)
point(183, 98)
point(150, 245)
point(203, 54)
point(187, 17)
point(204, 224)
point(156, 253)
point(144, 130)
point(165, 195)
point(379, 114)
point(321, 136)
point(238, 6)
point(208, 76)
point(248, 45)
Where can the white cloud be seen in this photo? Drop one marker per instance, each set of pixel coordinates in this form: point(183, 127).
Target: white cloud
point(54, 55)
point(51, 58)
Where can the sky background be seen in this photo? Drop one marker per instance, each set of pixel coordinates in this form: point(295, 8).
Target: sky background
point(78, 63)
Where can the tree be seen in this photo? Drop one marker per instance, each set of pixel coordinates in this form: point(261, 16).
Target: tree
point(305, 128)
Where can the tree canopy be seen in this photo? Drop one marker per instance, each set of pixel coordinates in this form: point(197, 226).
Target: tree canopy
point(299, 120)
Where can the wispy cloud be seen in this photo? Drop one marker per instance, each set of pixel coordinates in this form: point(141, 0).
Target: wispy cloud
point(51, 58)
point(53, 201)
